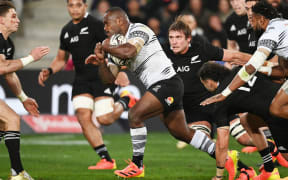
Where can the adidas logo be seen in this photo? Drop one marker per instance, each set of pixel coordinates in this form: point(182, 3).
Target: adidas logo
point(233, 28)
point(66, 35)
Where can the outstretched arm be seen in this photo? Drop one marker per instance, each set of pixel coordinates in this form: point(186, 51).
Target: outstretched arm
point(236, 57)
point(8, 66)
point(244, 75)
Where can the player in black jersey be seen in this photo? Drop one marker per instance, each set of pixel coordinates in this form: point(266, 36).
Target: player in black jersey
point(10, 121)
point(187, 59)
point(249, 98)
point(236, 27)
point(78, 38)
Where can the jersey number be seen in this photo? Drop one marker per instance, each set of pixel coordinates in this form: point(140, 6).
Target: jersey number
point(250, 83)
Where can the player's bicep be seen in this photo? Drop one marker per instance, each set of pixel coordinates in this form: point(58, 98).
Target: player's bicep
point(137, 42)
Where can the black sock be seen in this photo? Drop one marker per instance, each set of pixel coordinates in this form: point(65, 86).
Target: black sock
point(102, 152)
point(124, 101)
point(271, 146)
point(12, 142)
point(242, 165)
point(267, 159)
point(268, 134)
point(138, 160)
point(1, 135)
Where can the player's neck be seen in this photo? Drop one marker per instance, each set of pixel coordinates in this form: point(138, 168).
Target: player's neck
point(5, 33)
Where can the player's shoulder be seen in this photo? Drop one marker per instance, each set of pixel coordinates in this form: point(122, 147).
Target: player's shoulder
point(138, 26)
point(92, 21)
point(68, 26)
point(231, 18)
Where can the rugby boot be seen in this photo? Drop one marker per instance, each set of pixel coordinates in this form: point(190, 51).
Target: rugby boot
point(104, 164)
point(131, 171)
point(231, 164)
point(247, 174)
point(132, 99)
point(181, 144)
point(21, 176)
point(249, 149)
point(276, 155)
point(274, 175)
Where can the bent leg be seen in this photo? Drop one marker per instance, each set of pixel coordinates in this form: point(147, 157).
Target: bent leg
point(279, 105)
point(239, 133)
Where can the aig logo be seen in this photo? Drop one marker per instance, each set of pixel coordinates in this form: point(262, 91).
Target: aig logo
point(74, 39)
point(183, 69)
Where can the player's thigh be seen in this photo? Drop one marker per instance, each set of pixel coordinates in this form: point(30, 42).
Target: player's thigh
point(148, 106)
point(253, 122)
point(236, 129)
point(9, 119)
point(83, 105)
point(281, 98)
point(203, 126)
point(103, 108)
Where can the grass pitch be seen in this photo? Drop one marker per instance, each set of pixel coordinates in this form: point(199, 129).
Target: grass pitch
point(67, 157)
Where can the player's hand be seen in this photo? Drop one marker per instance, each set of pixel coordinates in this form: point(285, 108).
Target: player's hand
point(122, 79)
point(92, 59)
point(100, 54)
point(213, 99)
point(106, 43)
point(39, 52)
point(43, 76)
point(31, 106)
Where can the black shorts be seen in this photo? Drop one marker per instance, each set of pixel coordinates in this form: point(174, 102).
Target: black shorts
point(200, 113)
point(279, 131)
point(169, 92)
point(96, 88)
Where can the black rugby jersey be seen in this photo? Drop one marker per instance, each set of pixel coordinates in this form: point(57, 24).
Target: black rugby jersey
point(253, 97)
point(6, 47)
point(187, 66)
point(236, 29)
point(80, 40)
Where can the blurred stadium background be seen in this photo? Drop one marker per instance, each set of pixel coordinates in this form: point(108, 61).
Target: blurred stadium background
point(52, 145)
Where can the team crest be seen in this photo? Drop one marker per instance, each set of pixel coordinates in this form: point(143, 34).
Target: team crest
point(169, 100)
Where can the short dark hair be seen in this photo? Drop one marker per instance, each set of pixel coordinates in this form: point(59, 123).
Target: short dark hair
point(84, 1)
point(5, 6)
point(214, 71)
point(179, 25)
point(116, 9)
point(265, 9)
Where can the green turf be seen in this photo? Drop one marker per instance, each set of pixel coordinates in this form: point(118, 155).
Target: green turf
point(63, 161)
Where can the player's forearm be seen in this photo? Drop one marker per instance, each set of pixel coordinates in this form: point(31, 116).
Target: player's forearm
point(105, 74)
point(57, 65)
point(124, 51)
point(14, 83)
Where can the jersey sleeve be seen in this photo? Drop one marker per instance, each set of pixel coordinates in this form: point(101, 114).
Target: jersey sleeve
point(212, 52)
point(139, 33)
point(227, 27)
point(269, 39)
point(63, 45)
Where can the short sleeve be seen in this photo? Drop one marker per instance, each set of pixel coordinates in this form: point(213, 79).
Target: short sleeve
point(269, 39)
point(139, 32)
point(212, 52)
point(63, 45)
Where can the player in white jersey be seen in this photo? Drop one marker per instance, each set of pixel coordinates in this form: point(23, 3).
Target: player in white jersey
point(144, 56)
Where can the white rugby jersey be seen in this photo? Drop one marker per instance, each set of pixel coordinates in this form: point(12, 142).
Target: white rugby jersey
point(151, 63)
point(275, 38)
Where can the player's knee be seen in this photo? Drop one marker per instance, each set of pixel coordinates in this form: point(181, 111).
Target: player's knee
point(245, 140)
point(274, 108)
point(105, 120)
point(134, 117)
point(83, 116)
point(13, 123)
